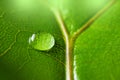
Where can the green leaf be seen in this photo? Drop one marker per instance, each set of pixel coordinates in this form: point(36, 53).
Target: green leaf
point(96, 50)
point(77, 13)
point(18, 61)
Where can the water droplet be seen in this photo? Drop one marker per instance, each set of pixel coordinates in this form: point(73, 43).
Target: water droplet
point(42, 41)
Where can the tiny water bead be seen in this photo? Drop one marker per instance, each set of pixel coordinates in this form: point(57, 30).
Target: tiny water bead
point(42, 41)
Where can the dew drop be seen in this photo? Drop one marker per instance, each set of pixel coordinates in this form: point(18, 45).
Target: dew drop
point(42, 41)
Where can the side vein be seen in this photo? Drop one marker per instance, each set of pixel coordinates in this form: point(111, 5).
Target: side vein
point(87, 24)
point(2, 54)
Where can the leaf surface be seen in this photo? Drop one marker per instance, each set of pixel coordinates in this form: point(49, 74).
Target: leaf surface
point(96, 51)
point(18, 60)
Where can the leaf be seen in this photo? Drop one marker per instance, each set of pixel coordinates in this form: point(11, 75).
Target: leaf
point(18, 61)
point(77, 13)
point(96, 50)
